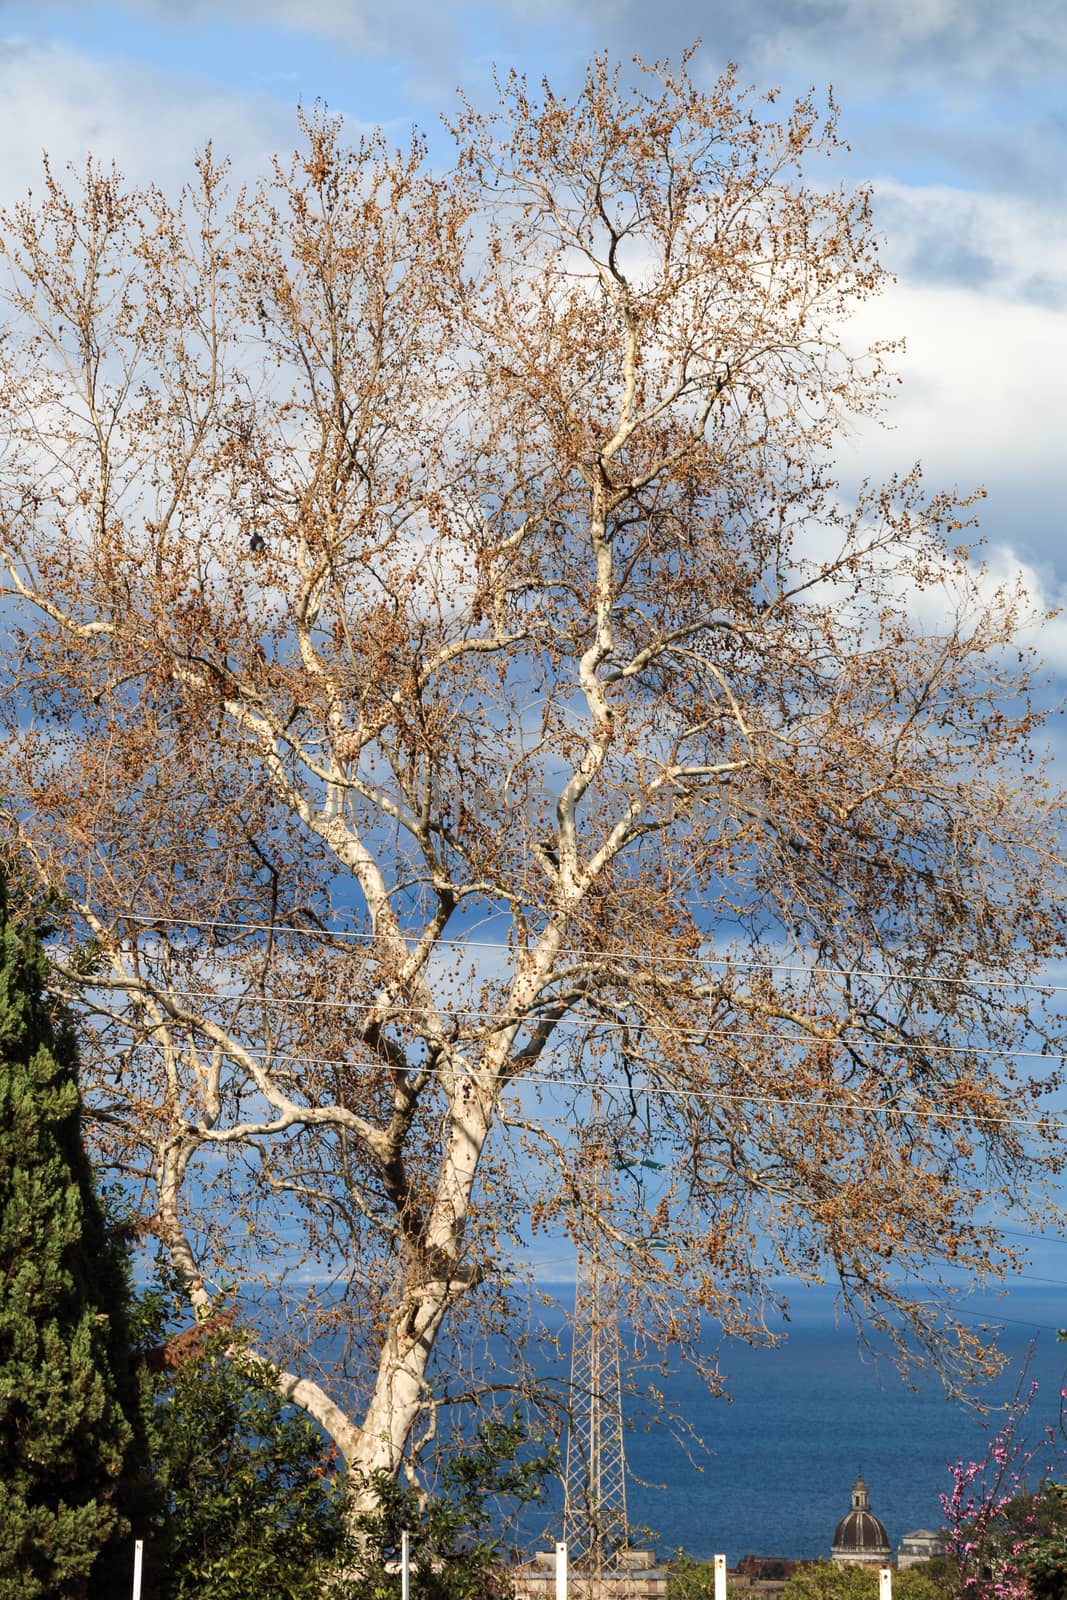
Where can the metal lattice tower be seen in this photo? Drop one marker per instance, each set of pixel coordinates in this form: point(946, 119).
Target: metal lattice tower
point(594, 1507)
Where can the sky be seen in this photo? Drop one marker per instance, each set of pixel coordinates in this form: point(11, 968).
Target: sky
point(955, 111)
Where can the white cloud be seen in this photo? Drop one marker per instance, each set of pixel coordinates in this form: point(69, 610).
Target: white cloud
point(979, 37)
point(149, 123)
point(981, 301)
point(916, 42)
point(420, 35)
point(1010, 245)
point(980, 404)
point(981, 274)
point(982, 392)
point(356, 21)
point(1049, 638)
point(983, 385)
point(975, 36)
point(1003, 572)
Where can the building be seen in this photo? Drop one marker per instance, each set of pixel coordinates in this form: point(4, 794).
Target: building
point(633, 1575)
point(861, 1538)
point(918, 1546)
point(762, 1577)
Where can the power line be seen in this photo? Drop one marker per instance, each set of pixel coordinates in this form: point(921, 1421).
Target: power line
point(1034, 1277)
point(536, 1263)
point(623, 1087)
point(492, 1022)
point(988, 1318)
point(697, 962)
point(1040, 1238)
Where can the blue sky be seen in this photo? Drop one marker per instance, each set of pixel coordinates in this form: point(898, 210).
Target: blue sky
point(956, 111)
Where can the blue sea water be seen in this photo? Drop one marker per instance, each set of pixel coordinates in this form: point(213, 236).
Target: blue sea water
point(804, 1417)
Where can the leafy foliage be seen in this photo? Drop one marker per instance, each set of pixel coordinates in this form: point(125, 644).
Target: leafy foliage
point(255, 1499)
point(454, 1553)
point(992, 1520)
point(690, 1579)
point(254, 1506)
point(840, 1580)
point(69, 1434)
point(442, 551)
point(1043, 1558)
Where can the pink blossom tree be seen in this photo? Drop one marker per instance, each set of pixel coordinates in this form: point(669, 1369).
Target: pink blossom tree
point(991, 1517)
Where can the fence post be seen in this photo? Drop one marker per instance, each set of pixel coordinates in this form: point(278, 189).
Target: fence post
point(720, 1578)
point(405, 1565)
point(885, 1583)
point(561, 1572)
point(138, 1558)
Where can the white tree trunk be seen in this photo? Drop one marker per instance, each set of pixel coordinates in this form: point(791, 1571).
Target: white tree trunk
point(434, 1283)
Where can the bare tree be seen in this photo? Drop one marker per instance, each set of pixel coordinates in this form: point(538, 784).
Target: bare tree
point(445, 677)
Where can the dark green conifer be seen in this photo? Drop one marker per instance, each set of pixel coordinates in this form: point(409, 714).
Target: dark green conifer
point(66, 1438)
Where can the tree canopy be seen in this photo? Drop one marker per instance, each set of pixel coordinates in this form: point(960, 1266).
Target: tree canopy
point(69, 1431)
point(447, 679)
point(250, 1499)
point(832, 1580)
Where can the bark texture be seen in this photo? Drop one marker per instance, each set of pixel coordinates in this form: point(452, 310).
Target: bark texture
point(446, 680)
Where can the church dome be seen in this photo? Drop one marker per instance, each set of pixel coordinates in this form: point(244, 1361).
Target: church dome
point(860, 1535)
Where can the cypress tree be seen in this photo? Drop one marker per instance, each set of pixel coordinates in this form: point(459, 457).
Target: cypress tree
point(66, 1436)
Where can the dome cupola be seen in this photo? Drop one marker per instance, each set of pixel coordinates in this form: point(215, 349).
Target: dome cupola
point(860, 1537)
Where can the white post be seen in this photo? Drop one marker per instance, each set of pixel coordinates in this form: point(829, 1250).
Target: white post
point(405, 1565)
point(561, 1572)
point(720, 1578)
point(885, 1583)
point(138, 1557)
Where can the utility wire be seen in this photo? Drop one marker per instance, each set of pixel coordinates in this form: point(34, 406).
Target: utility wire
point(491, 1023)
point(1040, 1238)
point(988, 1319)
point(695, 962)
point(623, 1087)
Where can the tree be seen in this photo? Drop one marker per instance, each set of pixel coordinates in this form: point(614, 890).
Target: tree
point(831, 1580)
point(69, 1432)
point(813, 1580)
point(454, 1552)
point(690, 1579)
point(1004, 1540)
point(250, 1487)
point(447, 680)
point(1043, 1559)
point(990, 1515)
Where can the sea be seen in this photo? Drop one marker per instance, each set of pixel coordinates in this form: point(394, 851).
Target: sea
point(773, 1471)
